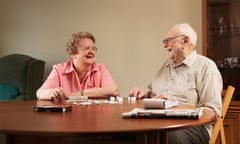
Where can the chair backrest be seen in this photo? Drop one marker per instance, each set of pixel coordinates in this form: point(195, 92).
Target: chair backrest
point(23, 72)
point(227, 97)
point(218, 126)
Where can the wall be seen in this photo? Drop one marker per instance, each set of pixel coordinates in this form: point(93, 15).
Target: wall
point(128, 32)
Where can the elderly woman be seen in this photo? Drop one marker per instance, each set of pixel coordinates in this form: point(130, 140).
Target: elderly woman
point(80, 75)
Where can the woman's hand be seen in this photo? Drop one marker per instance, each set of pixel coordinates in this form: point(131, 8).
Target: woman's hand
point(57, 94)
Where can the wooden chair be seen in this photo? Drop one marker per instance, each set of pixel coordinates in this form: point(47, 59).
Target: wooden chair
point(218, 126)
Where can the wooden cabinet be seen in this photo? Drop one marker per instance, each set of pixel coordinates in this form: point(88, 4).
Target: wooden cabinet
point(221, 38)
point(221, 42)
point(231, 123)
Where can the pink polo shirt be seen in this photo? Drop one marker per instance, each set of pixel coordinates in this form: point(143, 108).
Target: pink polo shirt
point(64, 75)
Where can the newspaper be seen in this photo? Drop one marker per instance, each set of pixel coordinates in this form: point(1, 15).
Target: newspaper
point(161, 113)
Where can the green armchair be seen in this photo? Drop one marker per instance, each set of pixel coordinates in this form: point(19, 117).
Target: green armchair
point(24, 73)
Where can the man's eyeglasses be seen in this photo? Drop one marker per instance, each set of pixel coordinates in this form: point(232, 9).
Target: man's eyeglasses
point(89, 48)
point(167, 40)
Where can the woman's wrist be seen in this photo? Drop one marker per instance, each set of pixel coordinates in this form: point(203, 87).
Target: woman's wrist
point(82, 92)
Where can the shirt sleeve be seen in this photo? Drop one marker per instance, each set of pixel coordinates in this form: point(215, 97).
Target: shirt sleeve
point(52, 80)
point(210, 89)
point(105, 78)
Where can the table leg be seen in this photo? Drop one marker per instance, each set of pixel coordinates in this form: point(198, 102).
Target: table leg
point(9, 139)
point(161, 137)
point(152, 138)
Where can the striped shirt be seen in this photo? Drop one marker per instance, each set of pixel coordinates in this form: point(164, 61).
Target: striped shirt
point(195, 81)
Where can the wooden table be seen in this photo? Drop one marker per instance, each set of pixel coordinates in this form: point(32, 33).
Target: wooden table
point(87, 124)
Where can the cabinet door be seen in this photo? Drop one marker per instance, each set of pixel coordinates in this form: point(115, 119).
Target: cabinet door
point(231, 128)
point(221, 38)
point(221, 27)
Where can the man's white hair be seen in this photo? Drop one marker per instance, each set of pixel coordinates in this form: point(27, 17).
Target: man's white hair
point(187, 30)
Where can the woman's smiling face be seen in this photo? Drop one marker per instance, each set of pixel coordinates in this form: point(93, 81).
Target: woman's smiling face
point(86, 52)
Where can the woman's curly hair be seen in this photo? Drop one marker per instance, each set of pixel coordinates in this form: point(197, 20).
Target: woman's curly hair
point(72, 44)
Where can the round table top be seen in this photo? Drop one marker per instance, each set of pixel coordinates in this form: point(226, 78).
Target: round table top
point(19, 118)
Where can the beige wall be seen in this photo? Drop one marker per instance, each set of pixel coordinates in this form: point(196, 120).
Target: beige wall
point(128, 32)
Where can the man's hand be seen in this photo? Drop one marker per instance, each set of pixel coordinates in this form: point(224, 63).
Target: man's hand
point(137, 92)
point(164, 96)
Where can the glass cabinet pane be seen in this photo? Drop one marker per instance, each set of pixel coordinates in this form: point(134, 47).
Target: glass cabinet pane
point(221, 32)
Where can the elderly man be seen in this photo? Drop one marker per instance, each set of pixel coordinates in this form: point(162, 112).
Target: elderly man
point(189, 78)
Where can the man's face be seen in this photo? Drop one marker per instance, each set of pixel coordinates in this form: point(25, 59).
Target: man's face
point(174, 46)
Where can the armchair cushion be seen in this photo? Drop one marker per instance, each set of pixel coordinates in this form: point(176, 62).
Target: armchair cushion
point(8, 92)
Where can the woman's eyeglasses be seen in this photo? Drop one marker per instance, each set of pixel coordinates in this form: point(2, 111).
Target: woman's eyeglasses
point(89, 48)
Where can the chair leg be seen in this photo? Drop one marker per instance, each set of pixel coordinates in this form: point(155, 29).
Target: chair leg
point(222, 133)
